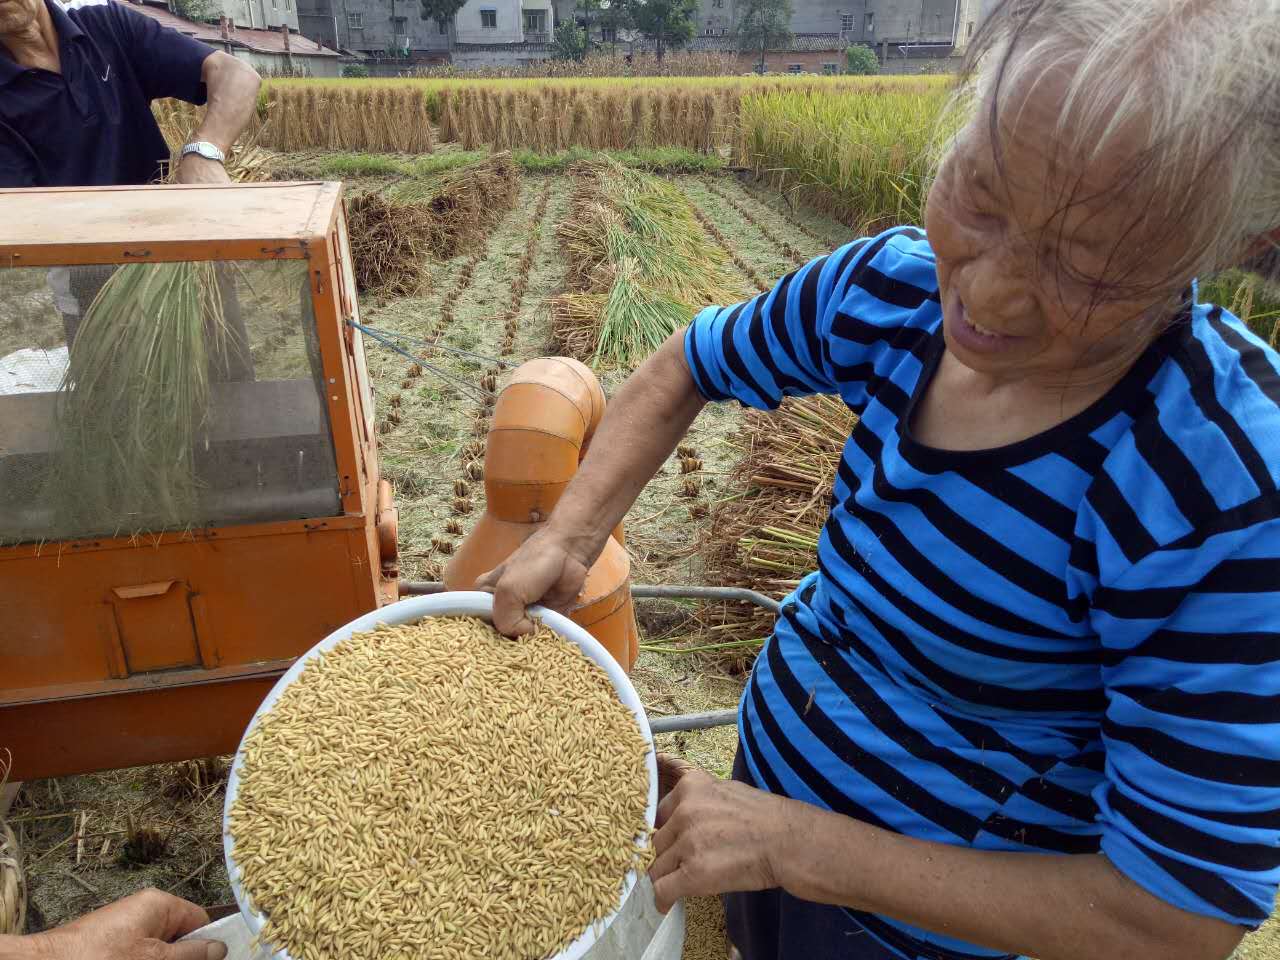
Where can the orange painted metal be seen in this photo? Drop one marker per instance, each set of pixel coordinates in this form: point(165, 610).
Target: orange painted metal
point(130, 650)
point(542, 424)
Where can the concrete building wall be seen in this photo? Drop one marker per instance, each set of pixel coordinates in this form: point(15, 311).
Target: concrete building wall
point(859, 20)
point(267, 63)
point(489, 21)
point(367, 26)
point(259, 14)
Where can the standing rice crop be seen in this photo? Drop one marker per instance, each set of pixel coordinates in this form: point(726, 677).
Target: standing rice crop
point(863, 156)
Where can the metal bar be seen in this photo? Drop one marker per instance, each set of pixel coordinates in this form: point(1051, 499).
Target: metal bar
point(641, 591)
point(650, 592)
point(693, 721)
point(420, 588)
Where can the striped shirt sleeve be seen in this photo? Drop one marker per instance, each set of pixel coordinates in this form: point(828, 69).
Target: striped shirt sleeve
point(1190, 808)
point(775, 344)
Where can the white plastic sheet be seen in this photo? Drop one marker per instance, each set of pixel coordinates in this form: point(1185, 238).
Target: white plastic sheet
point(639, 932)
point(32, 370)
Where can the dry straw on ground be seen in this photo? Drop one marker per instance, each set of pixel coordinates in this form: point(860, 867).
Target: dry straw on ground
point(767, 540)
point(396, 228)
point(439, 791)
point(13, 884)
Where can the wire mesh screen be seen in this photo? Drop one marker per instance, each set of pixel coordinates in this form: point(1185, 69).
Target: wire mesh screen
point(149, 397)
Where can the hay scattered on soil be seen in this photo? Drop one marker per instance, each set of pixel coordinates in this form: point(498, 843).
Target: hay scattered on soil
point(397, 227)
point(767, 540)
point(438, 785)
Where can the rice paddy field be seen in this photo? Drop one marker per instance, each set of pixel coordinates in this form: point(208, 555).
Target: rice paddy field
point(498, 221)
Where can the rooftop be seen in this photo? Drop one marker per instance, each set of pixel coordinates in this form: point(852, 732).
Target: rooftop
point(258, 41)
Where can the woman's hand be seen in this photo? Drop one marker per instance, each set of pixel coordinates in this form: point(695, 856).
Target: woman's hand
point(714, 836)
point(139, 927)
point(543, 570)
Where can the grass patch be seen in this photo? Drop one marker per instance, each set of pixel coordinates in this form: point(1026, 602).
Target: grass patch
point(661, 160)
point(340, 166)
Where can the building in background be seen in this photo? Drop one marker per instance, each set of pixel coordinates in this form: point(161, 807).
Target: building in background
point(392, 38)
point(391, 34)
point(268, 51)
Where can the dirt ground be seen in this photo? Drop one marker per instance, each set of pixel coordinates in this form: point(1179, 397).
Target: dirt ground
point(75, 830)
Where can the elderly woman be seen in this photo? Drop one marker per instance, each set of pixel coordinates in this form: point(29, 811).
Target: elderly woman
point(1029, 703)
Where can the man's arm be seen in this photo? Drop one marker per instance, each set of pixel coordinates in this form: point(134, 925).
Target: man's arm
point(233, 96)
point(140, 927)
point(641, 427)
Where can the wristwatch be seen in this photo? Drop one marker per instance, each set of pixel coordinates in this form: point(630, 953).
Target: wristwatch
point(204, 148)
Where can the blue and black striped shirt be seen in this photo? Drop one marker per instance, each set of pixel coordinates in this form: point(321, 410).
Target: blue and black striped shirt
point(1065, 645)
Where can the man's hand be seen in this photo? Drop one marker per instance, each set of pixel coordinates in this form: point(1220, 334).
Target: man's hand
point(194, 168)
point(139, 927)
point(714, 836)
point(543, 570)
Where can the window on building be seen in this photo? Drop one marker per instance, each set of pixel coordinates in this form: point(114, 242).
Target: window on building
point(718, 4)
point(846, 22)
point(871, 22)
point(608, 34)
point(707, 32)
point(355, 21)
point(489, 19)
point(795, 68)
point(535, 21)
point(830, 68)
point(400, 25)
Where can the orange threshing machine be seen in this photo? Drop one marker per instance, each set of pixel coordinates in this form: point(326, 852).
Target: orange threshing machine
point(121, 644)
point(127, 640)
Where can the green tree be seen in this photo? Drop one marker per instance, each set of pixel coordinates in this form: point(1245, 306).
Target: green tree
point(200, 10)
point(665, 22)
point(862, 60)
point(763, 25)
point(441, 11)
point(570, 42)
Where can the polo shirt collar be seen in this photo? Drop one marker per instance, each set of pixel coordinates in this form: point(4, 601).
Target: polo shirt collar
point(66, 30)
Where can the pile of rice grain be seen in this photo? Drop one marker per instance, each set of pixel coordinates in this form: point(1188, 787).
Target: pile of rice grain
point(437, 790)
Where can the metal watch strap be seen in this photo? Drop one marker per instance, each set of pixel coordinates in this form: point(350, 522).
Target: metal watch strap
point(204, 148)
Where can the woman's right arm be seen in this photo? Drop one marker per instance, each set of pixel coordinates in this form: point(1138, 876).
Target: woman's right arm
point(641, 427)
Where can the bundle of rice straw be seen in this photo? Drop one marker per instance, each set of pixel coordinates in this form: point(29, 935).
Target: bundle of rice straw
point(398, 227)
point(767, 540)
point(135, 399)
point(640, 265)
point(13, 884)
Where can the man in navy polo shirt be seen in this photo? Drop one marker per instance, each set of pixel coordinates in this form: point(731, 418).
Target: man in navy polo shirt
point(76, 85)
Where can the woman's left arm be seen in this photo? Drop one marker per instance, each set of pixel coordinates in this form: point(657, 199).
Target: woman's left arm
point(721, 836)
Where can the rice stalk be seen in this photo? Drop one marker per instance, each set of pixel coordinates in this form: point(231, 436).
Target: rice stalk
point(135, 399)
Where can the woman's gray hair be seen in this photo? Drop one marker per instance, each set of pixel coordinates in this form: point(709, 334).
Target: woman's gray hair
point(1197, 82)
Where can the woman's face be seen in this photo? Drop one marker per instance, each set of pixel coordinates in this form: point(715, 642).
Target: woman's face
point(1018, 250)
